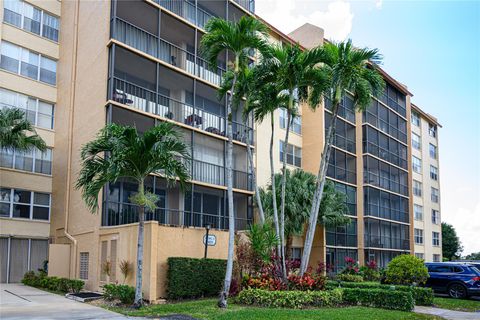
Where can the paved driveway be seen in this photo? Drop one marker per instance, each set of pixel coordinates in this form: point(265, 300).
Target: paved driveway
point(19, 302)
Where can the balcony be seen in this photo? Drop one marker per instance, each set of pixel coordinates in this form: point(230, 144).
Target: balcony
point(166, 51)
point(248, 5)
point(195, 208)
point(147, 100)
point(186, 9)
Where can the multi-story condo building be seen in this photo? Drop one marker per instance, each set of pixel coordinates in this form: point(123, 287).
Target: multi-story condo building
point(426, 186)
point(29, 47)
point(138, 63)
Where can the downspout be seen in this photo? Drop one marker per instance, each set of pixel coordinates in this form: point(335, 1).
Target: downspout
point(70, 137)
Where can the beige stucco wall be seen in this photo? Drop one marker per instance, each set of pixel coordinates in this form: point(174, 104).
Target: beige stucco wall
point(427, 183)
point(59, 260)
point(24, 228)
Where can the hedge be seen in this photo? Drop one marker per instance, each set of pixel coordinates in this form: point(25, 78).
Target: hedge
point(41, 280)
point(122, 292)
point(422, 296)
point(289, 299)
point(379, 298)
point(194, 278)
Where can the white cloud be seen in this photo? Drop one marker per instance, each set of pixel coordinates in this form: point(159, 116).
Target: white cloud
point(378, 4)
point(336, 19)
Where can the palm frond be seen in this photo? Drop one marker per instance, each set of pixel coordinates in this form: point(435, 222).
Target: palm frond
point(16, 132)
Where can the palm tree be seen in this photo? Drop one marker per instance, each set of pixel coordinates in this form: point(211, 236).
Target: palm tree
point(294, 74)
point(237, 39)
point(16, 132)
point(300, 188)
point(247, 86)
point(121, 152)
point(350, 69)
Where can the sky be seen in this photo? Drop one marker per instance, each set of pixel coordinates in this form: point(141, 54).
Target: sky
point(433, 47)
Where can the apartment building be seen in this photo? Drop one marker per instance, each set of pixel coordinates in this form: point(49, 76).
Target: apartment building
point(138, 63)
point(29, 47)
point(426, 186)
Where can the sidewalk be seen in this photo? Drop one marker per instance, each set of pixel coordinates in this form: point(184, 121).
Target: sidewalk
point(19, 302)
point(448, 314)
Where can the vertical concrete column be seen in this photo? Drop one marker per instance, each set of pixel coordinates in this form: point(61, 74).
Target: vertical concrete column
point(360, 213)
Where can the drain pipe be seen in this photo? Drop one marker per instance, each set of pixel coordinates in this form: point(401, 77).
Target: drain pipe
point(70, 137)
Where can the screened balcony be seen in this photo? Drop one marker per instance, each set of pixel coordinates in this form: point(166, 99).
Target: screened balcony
point(171, 95)
point(196, 207)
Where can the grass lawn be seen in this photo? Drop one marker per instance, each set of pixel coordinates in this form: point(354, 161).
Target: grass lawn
point(457, 304)
point(206, 309)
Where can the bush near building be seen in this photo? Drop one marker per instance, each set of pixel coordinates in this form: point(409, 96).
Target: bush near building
point(421, 296)
point(379, 298)
point(406, 269)
point(41, 280)
point(194, 278)
point(122, 292)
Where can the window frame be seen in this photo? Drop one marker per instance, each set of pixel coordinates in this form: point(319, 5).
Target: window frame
point(418, 236)
point(435, 239)
point(16, 154)
point(416, 165)
point(433, 173)
point(31, 204)
point(417, 215)
point(295, 155)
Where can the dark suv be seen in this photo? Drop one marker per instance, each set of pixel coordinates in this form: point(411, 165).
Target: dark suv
point(458, 280)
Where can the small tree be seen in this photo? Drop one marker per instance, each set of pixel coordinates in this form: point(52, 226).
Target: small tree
point(122, 152)
point(406, 269)
point(451, 245)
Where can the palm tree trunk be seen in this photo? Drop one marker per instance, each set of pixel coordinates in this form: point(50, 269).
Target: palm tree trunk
point(141, 226)
point(282, 196)
point(222, 300)
point(274, 193)
point(254, 179)
point(317, 198)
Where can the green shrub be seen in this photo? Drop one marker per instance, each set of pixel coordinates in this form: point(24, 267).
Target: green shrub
point(290, 299)
point(122, 292)
point(369, 274)
point(109, 292)
point(378, 298)
point(407, 270)
point(193, 278)
point(350, 277)
point(422, 296)
point(41, 280)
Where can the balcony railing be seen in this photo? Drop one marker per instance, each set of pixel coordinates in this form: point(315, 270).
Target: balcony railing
point(148, 101)
point(119, 213)
point(208, 172)
point(386, 242)
point(393, 104)
point(186, 10)
point(247, 4)
point(166, 51)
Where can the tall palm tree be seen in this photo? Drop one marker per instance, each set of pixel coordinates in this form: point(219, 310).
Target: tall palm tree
point(247, 86)
point(350, 69)
point(16, 132)
point(294, 74)
point(236, 39)
point(122, 152)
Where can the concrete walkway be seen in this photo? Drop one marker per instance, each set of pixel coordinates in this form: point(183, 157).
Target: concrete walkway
point(19, 302)
point(448, 314)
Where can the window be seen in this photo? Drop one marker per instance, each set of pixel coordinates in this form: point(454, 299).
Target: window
point(433, 151)
point(342, 166)
point(344, 137)
point(416, 164)
point(435, 216)
point(418, 212)
point(386, 120)
point(385, 205)
point(350, 197)
point(435, 195)
point(439, 268)
point(347, 108)
point(417, 188)
point(386, 235)
point(25, 16)
point(436, 239)
point(294, 154)
point(295, 125)
point(433, 173)
point(32, 161)
point(416, 141)
point(342, 236)
point(385, 176)
point(84, 260)
point(384, 147)
point(17, 203)
point(432, 130)
point(415, 119)
point(418, 236)
point(296, 253)
point(419, 255)
point(436, 258)
point(27, 63)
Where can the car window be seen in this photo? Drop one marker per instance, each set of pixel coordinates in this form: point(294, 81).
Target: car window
point(476, 270)
point(439, 269)
point(457, 269)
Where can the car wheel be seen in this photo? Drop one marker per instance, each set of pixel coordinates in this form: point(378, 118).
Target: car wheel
point(457, 291)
